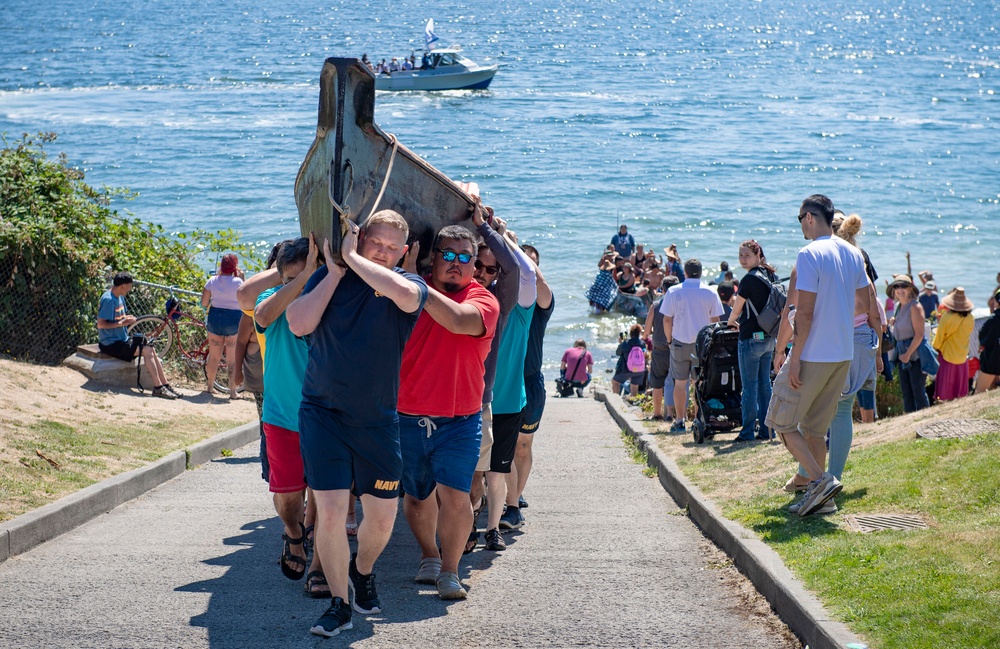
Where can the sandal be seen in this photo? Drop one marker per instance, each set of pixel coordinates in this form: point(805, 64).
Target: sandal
point(310, 539)
point(473, 541)
point(316, 585)
point(287, 556)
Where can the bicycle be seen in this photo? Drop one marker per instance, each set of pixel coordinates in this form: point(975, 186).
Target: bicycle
point(190, 335)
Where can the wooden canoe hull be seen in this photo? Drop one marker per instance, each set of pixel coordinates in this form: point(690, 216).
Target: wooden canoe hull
point(353, 153)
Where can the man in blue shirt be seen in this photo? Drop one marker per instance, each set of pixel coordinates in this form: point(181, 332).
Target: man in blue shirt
point(114, 340)
point(623, 242)
point(358, 320)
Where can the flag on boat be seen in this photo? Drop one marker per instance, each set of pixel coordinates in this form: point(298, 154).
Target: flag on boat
point(429, 36)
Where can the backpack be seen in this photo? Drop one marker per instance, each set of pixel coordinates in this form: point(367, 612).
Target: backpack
point(636, 361)
point(769, 318)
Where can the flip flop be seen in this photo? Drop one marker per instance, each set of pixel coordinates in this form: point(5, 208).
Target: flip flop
point(314, 579)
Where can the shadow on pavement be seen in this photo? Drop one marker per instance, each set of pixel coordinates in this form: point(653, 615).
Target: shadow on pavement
point(252, 605)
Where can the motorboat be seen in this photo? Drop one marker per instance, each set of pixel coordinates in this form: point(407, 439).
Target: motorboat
point(441, 69)
point(353, 168)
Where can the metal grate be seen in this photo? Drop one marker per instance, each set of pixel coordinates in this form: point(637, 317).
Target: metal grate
point(955, 428)
point(866, 523)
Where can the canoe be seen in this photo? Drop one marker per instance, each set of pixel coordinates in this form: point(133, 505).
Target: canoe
point(352, 165)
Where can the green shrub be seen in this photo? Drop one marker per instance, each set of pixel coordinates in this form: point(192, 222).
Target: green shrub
point(60, 240)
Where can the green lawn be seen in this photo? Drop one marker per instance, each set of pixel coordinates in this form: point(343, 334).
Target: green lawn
point(931, 588)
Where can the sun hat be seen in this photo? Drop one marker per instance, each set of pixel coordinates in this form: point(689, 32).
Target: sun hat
point(229, 264)
point(672, 253)
point(930, 286)
point(956, 300)
point(900, 280)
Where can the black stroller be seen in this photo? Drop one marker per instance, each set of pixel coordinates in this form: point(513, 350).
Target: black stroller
point(717, 384)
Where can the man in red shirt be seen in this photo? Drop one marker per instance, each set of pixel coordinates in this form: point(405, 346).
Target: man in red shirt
point(440, 407)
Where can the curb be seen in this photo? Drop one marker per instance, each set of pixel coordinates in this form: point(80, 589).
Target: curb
point(796, 606)
point(45, 523)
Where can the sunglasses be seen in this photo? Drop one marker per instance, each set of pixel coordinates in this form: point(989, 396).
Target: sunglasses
point(448, 255)
point(492, 270)
point(802, 216)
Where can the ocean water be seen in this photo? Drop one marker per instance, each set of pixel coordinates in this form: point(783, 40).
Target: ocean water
point(700, 123)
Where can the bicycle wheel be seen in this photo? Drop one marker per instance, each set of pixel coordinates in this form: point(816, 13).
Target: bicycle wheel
point(158, 335)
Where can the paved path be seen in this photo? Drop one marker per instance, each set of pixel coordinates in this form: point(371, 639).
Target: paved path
point(604, 561)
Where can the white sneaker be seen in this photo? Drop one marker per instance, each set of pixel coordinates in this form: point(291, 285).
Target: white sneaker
point(829, 507)
point(819, 492)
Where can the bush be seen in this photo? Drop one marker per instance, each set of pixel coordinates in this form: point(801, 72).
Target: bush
point(60, 240)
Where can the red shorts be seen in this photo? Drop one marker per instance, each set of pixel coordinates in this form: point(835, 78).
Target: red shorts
point(285, 458)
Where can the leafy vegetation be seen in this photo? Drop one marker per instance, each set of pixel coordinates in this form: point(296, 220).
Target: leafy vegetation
point(61, 239)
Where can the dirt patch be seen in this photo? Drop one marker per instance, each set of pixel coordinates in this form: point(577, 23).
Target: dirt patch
point(60, 432)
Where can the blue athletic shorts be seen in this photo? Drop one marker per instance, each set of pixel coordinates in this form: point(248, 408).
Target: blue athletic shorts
point(439, 450)
point(336, 455)
point(534, 387)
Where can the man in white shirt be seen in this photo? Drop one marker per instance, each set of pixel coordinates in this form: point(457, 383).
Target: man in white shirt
point(830, 282)
point(686, 308)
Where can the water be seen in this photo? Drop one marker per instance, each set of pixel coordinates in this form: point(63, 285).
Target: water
point(696, 122)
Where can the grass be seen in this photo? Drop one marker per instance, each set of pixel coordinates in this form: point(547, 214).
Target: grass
point(638, 456)
point(85, 454)
point(913, 590)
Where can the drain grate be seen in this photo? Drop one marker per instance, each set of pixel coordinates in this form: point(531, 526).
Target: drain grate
point(866, 523)
point(955, 428)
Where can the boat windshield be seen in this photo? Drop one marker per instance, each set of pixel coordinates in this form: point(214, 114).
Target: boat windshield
point(441, 60)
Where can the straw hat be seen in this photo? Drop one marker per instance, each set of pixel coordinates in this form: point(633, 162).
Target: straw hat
point(672, 253)
point(957, 301)
point(900, 280)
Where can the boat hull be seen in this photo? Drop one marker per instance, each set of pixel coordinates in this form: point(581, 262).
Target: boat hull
point(436, 80)
point(348, 162)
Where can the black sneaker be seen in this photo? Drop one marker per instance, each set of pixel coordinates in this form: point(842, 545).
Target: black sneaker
point(365, 597)
point(522, 503)
point(494, 541)
point(336, 619)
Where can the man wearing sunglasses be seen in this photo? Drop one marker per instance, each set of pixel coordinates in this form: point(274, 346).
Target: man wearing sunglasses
point(440, 407)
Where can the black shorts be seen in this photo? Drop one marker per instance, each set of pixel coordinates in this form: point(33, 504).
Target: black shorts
point(335, 454)
point(123, 350)
point(534, 387)
point(505, 431)
point(659, 367)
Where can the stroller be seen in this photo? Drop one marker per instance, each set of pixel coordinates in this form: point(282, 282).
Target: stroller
point(717, 384)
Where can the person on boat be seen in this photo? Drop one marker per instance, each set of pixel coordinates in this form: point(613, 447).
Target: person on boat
point(626, 279)
point(623, 242)
point(638, 257)
point(425, 61)
point(440, 408)
point(359, 316)
point(673, 262)
point(394, 65)
point(365, 60)
point(407, 64)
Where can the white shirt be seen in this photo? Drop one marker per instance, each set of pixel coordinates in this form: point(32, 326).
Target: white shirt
point(692, 305)
point(223, 289)
point(832, 269)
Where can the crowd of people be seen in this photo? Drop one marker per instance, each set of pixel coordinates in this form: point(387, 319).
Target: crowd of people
point(442, 396)
point(801, 373)
point(401, 64)
point(372, 382)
